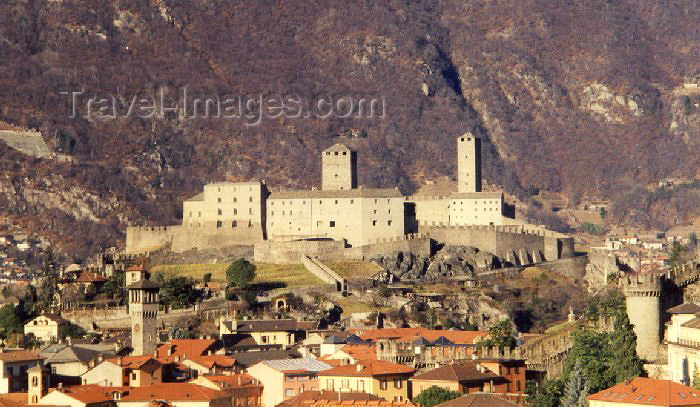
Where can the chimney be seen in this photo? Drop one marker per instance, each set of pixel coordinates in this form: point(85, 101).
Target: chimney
point(239, 380)
point(170, 350)
point(360, 367)
point(60, 386)
point(155, 354)
point(120, 360)
point(69, 340)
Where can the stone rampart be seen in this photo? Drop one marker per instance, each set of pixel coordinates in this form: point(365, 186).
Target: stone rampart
point(144, 239)
point(323, 272)
point(519, 244)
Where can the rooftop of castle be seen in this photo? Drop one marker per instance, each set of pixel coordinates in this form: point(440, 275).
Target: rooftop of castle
point(342, 193)
point(477, 195)
point(337, 147)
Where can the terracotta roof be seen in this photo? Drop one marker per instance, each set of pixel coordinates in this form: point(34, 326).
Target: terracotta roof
point(233, 381)
point(135, 267)
point(409, 334)
point(345, 403)
point(368, 368)
point(52, 317)
point(186, 347)
point(478, 400)
point(458, 372)
point(687, 308)
point(89, 277)
point(651, 392)
point(16, 400)
point(315, 395)
point(364, 352)
point(211, 360)
point(19, 355)
point(174, 392)
point(91, 393)
point(132, 362)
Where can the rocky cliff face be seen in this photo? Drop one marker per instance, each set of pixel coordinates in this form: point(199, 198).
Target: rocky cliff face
point(594, 98)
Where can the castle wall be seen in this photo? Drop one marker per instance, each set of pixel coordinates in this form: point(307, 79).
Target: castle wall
point(431, 209)
point(211, 235)
point(146, 238)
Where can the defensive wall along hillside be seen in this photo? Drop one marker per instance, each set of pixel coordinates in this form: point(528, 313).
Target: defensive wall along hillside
point(519, 244)
point(140, 239)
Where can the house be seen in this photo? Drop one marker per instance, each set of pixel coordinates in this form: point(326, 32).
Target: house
point(286, 378)
point(210, 364)
point(176, 395)
point(350, 354)
point(184, 348)
point(45, 327)
point(475, 377)
point(478, 400)
point(83, 396)
point(88, 278)
point(68, 362)
point(642, 391)
point(244, 388)
point(245, 360)
point(272, 332)
point(381, 378)
point(14, 366)
point(683, 340)
point(133, 371)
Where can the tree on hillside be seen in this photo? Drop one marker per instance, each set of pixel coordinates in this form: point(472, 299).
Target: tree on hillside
point(179, 292)
point(435, 395)
point(49, 283)
point(10, 322)
point(240, 273)
point(576, 389)
point(623, 343)
point(544, 394)
point(500, 335)
point(115, 287)
point(206, 278)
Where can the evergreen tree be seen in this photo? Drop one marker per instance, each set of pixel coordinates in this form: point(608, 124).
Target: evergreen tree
point(240, 273)
point(434, 395)
point(623, 343)
point(592, 351)
point(49, 283)
point(696, 378)
point(576, 389)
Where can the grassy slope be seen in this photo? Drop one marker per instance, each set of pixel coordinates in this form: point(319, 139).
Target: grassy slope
point(289, 274)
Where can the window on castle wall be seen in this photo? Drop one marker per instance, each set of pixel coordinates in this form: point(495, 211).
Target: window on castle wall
point(218, 199)
point(250, 199)
point(235, 211)
point(332, 223)
point(219, 212)
point(234, 224)
point(218, 223)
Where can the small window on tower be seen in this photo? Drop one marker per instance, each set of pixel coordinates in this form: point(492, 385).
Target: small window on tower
point(332, 223)
point(345, 152)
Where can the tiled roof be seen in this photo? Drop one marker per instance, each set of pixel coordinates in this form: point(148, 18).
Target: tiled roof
point(315, 395)
point(197, 198)
point(687, 308)
point(211, 360)
point(266, 325)
point(364, 352)
point(174, 392)
point(132, 362)
point(368, 403)
point(91, 393)
point(478, 400)
point(233, 381)
point(652, 392)
point(19, 355)
point(247, 359)
point(368, 368)
point(343, 193)
point(458, 372)
point(297, 365)
point(410, 334)
point(144, 284)
point(693, 323)
point(186, 347)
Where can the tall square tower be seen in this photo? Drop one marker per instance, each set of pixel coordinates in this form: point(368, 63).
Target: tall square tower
point(339, 168)
point(143, 310)
point(468, 163)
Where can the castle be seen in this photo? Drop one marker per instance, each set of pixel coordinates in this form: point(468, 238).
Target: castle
point(246, 213)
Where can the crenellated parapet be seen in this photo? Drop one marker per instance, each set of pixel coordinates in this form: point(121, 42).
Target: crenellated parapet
point(643, 285)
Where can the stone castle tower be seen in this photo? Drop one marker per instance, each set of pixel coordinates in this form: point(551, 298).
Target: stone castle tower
point(338, 168)
point(643, 300)
point(468, 163)
point(143, 310)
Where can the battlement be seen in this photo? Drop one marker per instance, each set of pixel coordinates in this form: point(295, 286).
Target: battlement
point(493, 352)
point(533, 230)
point(395, 239)
point(643, 285)
point(153, 229)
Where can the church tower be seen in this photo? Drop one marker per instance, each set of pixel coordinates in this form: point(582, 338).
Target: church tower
point(339, 168)
point(35, 391)
point(468, 163)
point(143, 310)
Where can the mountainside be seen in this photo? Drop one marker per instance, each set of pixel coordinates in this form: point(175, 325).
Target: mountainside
point(592, 99)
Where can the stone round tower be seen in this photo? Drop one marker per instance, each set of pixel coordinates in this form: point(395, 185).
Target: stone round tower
point(643, 299)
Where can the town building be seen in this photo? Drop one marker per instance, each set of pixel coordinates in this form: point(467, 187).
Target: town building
point(286, 378)
point(83, 396)
point(383, 379)
point(176, 395)
point(310, 397)
point(245, 390)
point(478, 400)
point(132, 371)
point(265, 333)
point(14, 367)
point(143, 310)
point(683, 340)
point(45, 327)
point(642, 391)
point(67, 362)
